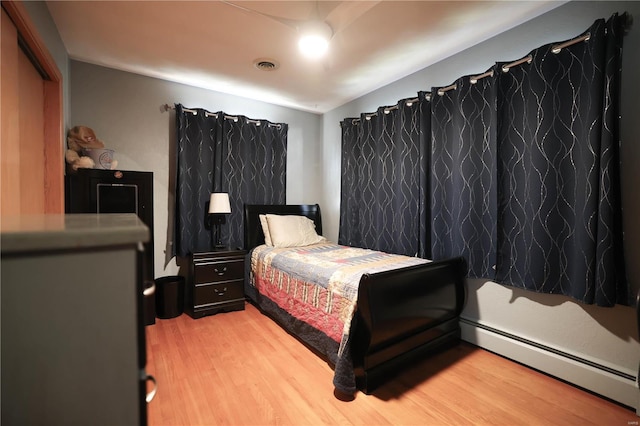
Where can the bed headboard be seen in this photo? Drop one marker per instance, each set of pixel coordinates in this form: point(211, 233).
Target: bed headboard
point(253, 235)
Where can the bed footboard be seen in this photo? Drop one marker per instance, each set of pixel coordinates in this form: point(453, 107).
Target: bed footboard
point(404, 314)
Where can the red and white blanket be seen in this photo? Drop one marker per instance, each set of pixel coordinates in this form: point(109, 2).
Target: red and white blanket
point(318, 284)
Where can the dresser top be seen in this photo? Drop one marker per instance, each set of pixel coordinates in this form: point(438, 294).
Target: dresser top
point(71, 231)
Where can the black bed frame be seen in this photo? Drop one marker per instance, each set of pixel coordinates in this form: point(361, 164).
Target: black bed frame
point(402, 314)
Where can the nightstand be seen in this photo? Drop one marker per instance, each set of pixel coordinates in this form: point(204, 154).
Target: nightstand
point(216, 283)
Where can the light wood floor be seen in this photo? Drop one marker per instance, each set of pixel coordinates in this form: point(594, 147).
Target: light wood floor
point(241, 368)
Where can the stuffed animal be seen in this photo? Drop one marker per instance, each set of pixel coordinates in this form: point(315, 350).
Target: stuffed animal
point(78, 139)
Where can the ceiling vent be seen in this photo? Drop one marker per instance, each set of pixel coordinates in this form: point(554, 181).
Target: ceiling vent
point(265, 64)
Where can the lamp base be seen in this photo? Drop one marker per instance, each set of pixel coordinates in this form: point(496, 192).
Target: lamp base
point(217, 237)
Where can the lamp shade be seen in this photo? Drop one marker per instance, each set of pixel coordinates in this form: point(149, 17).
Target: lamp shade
point(219, 203)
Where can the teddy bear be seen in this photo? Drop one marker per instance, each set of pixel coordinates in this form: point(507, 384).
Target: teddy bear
point(78, 139)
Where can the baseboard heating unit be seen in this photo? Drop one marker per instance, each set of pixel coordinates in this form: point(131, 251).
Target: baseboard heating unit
point(600, 379)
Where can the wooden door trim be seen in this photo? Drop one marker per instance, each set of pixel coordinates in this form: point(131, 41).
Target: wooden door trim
point(53, 115)
point(20, 17)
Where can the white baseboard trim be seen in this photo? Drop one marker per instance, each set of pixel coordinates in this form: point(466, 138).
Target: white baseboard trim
point(611, 384)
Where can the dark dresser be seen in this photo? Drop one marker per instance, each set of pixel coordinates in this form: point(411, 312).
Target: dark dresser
point(73, 338)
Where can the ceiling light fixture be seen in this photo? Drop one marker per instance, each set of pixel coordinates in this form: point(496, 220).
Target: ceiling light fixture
point(314, 38)
point(316, 32)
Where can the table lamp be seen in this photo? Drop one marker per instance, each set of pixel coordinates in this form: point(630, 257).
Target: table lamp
point(219, 207)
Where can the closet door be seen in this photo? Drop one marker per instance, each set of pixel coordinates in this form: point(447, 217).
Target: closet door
point(30, 107)
point(31, 145)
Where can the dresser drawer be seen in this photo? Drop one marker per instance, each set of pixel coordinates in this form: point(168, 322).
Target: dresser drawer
point(217, 271)
point(208, 294)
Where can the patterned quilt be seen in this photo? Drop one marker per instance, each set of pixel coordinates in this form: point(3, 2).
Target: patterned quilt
point(318, 284)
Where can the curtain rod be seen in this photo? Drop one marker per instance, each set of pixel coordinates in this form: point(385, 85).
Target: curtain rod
point(558, 47)
point(387, 110)
point(442, 90)
point(475, 78)
point(167, 107)
point(555, 49)
point(527, 59)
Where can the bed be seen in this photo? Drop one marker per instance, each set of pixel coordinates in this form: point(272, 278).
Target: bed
point(398, 313)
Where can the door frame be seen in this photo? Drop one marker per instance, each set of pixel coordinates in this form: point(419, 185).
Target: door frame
point(53, 112)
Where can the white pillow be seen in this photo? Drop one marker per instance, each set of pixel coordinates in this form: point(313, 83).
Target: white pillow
point(292, 231)
point(265, 229)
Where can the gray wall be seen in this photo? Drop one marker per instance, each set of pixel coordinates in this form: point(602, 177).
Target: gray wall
point(124, 110)
point(608, 336)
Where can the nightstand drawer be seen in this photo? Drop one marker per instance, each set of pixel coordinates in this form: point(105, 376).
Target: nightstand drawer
point(209, 294)
point(209, 272)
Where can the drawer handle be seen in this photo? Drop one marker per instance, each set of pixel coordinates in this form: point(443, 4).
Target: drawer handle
point(149, 290)
point(220, 272)
point(220, 292)
point(149, 397)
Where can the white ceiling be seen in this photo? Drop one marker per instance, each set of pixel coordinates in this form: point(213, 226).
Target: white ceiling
point(213, 44)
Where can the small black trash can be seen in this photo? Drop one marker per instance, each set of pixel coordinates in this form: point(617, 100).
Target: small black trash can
point(169, 296)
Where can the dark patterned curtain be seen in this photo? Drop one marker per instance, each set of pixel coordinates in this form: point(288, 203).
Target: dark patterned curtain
point(559, 211)
point(254, 169)
point(196, 160)
point(348, 231)
point(463, 168)
point(523, 178)
point(383, 180)
point(222, 153)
